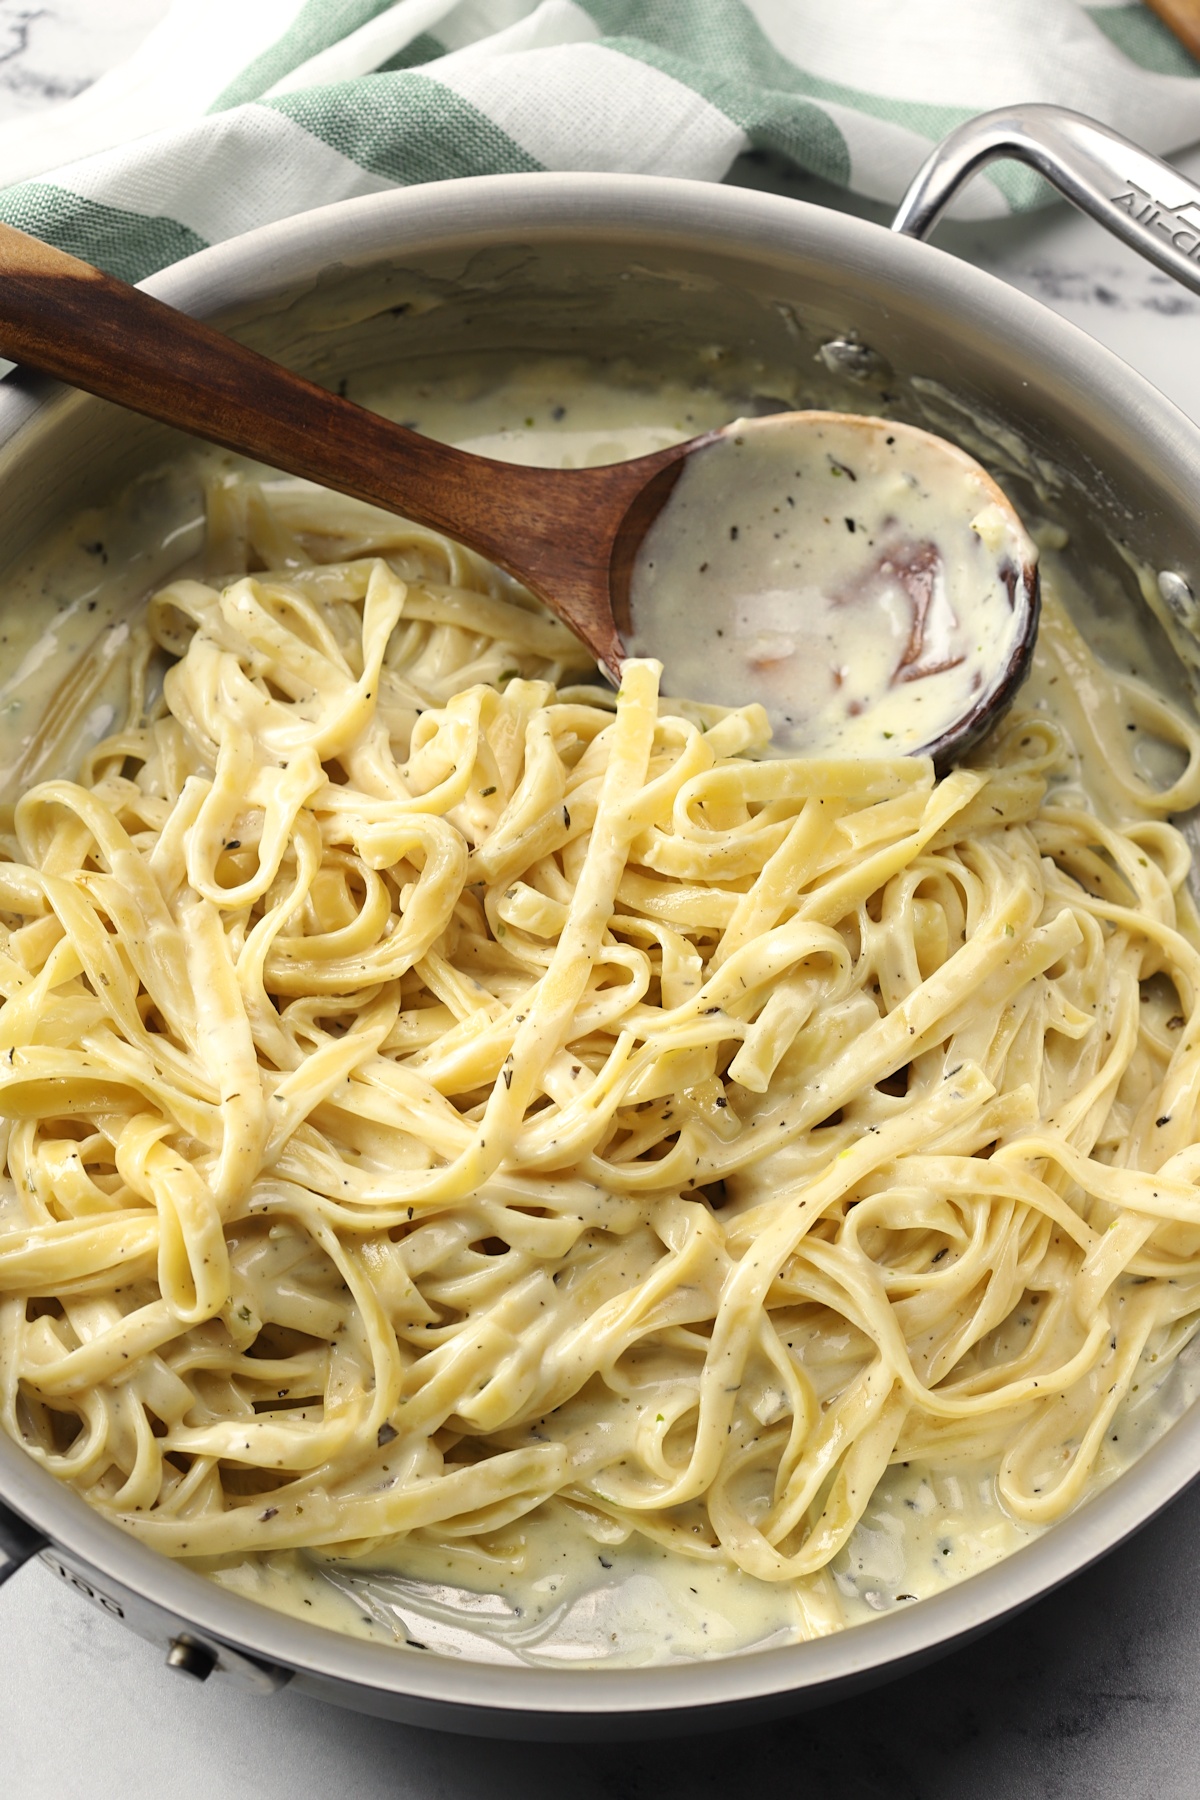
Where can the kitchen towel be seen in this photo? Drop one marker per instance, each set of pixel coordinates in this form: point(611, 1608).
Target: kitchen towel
point(234, 113)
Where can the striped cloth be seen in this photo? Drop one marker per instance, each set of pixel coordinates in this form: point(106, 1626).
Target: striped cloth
point(237, 112)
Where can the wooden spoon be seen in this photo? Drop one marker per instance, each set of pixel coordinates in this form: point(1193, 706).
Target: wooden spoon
point(572, 536)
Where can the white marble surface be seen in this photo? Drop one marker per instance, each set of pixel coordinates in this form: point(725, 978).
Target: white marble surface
point(50, 53)
point(1095, 1692)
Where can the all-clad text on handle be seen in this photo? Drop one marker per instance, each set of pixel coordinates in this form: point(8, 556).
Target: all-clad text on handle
point(1138, 197)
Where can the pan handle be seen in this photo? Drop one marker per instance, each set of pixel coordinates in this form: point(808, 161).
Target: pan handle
point(1138, 197)
point(19, 1543)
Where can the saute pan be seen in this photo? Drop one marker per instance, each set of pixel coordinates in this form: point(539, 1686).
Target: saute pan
point(779, 302)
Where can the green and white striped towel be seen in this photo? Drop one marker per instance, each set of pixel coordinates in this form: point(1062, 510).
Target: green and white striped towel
point(237, 112)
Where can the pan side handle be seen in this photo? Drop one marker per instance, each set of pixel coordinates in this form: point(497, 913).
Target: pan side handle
point(19, 1543)
point(1138, 197)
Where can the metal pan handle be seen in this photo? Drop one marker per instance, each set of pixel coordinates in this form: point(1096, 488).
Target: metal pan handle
point(1139, 198)
point(19, 1543)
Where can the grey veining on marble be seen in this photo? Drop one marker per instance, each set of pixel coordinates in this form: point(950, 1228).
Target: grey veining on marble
point(51, 53)
point(1092, 1694)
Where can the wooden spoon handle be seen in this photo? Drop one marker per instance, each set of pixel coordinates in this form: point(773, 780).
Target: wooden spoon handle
point(552, 528)
point(1183, 18)
point(68, 319)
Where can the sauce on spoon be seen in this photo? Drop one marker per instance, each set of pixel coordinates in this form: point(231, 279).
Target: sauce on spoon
point(866, 581)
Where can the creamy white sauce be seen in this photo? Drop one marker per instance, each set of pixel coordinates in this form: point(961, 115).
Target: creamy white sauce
point(552, 1595)
point(67, 615)
point(548, 1590)
point(862, 579)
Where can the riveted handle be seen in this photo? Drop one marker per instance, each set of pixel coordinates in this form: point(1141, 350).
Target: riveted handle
point(1139, 198)
point(20, 1542)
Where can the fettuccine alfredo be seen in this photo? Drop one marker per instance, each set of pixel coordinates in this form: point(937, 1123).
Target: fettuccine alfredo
point(438, 1094)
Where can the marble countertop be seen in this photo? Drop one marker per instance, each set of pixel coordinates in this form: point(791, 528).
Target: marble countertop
point(51, 53)
point(1093, 1692)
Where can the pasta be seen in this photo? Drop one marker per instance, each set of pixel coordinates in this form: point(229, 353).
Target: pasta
point(437, 1092)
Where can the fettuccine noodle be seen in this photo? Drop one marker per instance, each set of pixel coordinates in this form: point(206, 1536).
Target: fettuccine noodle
point(434, 1092)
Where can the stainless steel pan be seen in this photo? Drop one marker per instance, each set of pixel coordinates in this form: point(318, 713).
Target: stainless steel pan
point(776, 301)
